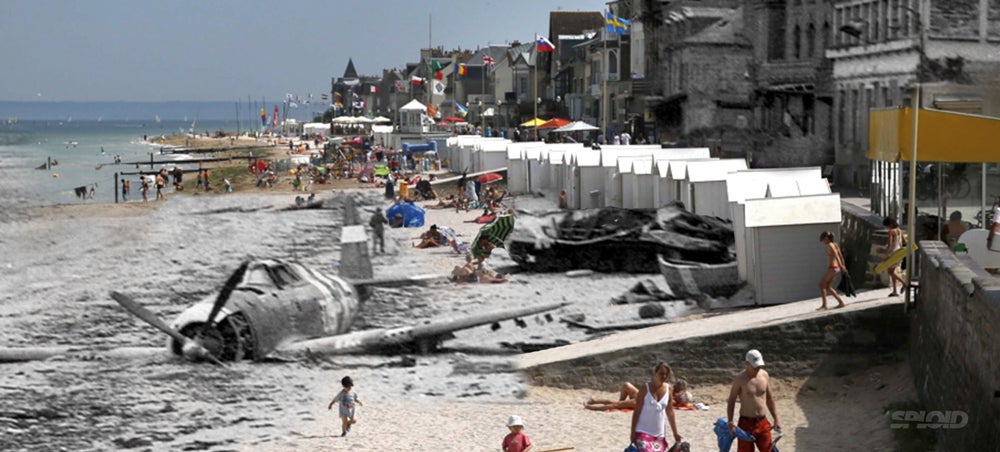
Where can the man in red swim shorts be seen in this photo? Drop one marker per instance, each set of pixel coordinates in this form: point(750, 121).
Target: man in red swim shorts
point(753, 388)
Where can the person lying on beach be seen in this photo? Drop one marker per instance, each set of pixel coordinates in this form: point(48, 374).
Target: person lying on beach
point(682, 398)
point(487, 275)
point(464, 273)
point(430, 239)
point(626, 400)
point(446, 203)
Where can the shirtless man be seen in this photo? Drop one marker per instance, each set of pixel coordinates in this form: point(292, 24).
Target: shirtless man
point(753, 388)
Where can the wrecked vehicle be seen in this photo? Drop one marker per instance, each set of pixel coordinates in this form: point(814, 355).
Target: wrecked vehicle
point(618, 240)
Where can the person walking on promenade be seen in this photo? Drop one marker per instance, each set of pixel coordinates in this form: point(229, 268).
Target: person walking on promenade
point(896, 239)
point(652, 410)
point(378, 223)
point(752, 387)
point(835, 264)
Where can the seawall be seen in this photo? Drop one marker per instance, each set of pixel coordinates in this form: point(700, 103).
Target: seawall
point(955, 346)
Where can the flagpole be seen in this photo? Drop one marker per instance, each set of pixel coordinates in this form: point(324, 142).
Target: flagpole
point(534, 88)
point(604, 87)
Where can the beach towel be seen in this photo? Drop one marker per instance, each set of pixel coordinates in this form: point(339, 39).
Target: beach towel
point(725, 439)
point(845, 286)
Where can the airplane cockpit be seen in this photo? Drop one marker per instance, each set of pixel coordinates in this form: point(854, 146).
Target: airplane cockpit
point(276, 276)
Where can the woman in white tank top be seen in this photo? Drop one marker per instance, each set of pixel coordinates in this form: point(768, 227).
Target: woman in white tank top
point(652, 408)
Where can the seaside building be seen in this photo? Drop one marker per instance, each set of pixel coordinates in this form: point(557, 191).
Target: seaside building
point(793, 101)
point(881, 49)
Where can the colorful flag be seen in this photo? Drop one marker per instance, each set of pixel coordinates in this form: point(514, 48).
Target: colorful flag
point(274, 118)
point(439, 75)
point(544, 45)
point(615, 24)
point(462, 70)
point(436, 65)
point(488, 61)
point(400, 86)
point(324, 96)
point(416, 80)
point(432, 111)
point(374, 89)
point(337, 95)
point(263, 117)
point(354, 94)
point(462, 111)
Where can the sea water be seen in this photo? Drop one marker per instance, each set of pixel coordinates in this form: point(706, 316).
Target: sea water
point(85, 151)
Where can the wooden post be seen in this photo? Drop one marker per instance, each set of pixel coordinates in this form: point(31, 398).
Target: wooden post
point(116, 188)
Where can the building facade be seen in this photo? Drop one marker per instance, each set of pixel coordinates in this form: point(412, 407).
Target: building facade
point(882, 48)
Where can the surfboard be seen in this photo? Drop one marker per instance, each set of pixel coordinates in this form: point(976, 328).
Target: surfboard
point(974, 241)
point(896, 257)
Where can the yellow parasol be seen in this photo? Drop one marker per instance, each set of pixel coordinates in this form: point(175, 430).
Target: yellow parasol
point(534, 122)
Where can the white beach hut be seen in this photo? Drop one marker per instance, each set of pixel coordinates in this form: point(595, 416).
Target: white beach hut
point(536, 157)
point(785, 257)
point(676, 175)
point(490, 154)
point(411, 117)
point(554, 168)
point(661, 169)
point(517, 166)
point(612, 193)
point(590, 180)
point(706, 182)
point(637, 188)
point(753, 184)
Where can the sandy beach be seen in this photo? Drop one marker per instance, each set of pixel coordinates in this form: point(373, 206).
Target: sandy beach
point(59, 264)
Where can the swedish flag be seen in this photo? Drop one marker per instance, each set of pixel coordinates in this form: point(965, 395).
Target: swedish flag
point(616, 24)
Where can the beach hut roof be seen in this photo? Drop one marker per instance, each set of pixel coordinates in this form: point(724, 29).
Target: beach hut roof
point(678, 168)
point(642, 166)
point(413, 105)
point(556, 157)
point(714, 170)
point(588, 158)
point(795, 210)
point(819, 186)
point(753, 183)
point(625, 162)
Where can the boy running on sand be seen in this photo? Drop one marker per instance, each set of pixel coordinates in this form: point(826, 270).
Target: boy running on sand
point(347, 399)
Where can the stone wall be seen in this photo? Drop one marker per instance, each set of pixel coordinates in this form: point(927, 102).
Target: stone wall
point(827, 345)
point(863, 240)
point(955, 346)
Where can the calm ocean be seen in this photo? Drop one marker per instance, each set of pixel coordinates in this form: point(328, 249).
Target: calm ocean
point(77, 146)
point(48, 130)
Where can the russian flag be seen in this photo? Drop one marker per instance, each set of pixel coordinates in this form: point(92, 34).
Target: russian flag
point(544, 45)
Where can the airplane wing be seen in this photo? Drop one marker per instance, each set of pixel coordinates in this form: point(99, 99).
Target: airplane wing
point(423, 335)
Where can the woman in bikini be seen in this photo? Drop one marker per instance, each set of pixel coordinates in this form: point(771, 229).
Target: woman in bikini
point(835, 264)
point(895, 242)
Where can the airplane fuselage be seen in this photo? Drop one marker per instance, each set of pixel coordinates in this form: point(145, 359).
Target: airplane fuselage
point(276, 303)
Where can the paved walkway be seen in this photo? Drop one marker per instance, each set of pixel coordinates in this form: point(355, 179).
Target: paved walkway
point(709, 326)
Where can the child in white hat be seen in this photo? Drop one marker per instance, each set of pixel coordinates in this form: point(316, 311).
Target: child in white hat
point(517, 440)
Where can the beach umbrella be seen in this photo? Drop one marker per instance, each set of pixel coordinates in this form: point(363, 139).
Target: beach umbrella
point(489, 177)
point(413, 216)
point(453, 119)
point(533, 122)
point(495, 233)
point(576, 126)
point(381, 120)
point(554, 123)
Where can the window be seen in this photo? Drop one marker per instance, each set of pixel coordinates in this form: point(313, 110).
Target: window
point(258, 277)
point(826, 38)
point(612, 65)
point(810, 41)
point(797, 42)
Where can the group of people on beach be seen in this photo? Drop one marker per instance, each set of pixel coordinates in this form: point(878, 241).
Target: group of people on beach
point(652, 406)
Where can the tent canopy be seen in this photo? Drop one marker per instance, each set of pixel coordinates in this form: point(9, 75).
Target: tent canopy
point(576, 126)
point(942, 136)
point(554, 123)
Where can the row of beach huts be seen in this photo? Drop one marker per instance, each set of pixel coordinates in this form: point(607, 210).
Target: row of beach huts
point(777, 214)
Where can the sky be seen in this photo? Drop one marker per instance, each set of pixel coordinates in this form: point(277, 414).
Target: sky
point(223, 50)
